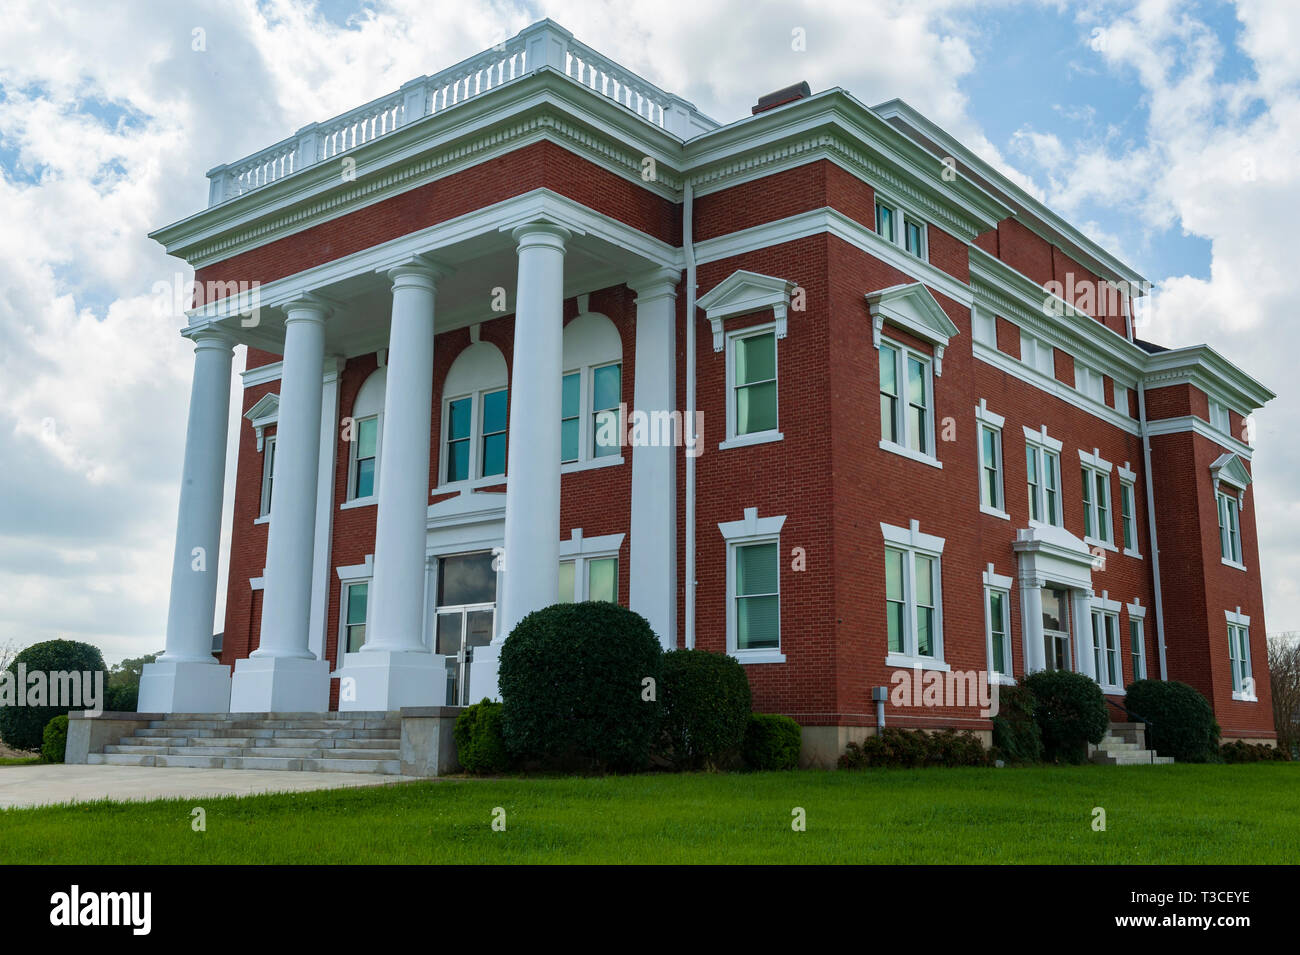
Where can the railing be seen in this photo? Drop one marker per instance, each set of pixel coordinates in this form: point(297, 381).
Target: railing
point(544, 44)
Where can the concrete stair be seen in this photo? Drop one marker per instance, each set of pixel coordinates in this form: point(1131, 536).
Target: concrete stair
point(360, 742)
point(1125, 745)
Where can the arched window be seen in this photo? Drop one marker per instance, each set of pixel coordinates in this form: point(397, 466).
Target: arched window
point(591, 391)
point(367, 434)
point(475, 399)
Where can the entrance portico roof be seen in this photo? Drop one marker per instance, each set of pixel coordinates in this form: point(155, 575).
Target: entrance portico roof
point(1050, 554)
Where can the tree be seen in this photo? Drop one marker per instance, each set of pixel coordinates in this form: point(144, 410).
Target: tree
point(128, 672)
point(1284, 681)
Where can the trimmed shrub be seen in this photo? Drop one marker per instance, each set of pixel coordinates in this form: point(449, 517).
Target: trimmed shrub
point(894, 748)
point(772, 741)
point(1071, 713)
point(1016, 737)
point(480, 747)
point(23, 727)
point(706, 704)
point(54, 744)
point(1239, 751)
point(1182, 723)
point(122, 699)
point(572, 683)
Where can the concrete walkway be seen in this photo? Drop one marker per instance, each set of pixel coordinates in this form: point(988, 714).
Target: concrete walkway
point(43, 785)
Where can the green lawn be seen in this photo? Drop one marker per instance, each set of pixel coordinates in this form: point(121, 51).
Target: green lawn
point(19, 760)
point(1157, 814)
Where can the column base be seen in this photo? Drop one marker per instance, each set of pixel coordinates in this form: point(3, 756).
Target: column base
point(483, 673)
point(391, 679)
point(280, 685)
point(184, 687)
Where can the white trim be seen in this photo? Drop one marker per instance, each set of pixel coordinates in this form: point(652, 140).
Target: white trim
point(262, 374)
point(267, 487)
point(1135, 610)
point(1237, 617)
point(746, 440)
point(573, 466)
point(1199, 426)
point(912, 543)
point(902, 355)
point(911, 537)
point(1042, 439)
point(1000, 583)
point(984, 418)
point(1104, 603)
point(907, 452)
point(744, 293)
point(1095, 461)
point(913, 309)
point(368, 501)
point(351, 573)
point(900, 212)
point(903, 661)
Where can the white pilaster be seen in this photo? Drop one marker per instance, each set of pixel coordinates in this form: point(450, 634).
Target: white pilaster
point(1031, 623)
point(186, 678)
point(653, 567)
point(529, 576)
point(282, 674)
point(395, 668)
point(1081, 610)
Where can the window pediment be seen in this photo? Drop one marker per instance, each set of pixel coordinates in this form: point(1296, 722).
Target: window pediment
point(1228, 469)
point(264, 413)
point(914, 309)
point(741, 293)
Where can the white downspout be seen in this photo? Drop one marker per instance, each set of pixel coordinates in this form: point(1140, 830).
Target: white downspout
point(1151, 525)
point(692, 439)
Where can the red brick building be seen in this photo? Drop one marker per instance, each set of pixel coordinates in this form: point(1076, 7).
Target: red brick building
point(817, 388)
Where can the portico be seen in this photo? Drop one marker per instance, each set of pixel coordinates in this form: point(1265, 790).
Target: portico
point(442, 279)
point(1055, 582)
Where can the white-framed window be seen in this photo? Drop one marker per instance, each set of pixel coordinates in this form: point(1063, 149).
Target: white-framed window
point(1243, 680)
point(1037, 354)
point(268, 475)
point(992, 490)
point(591, 423)
point(1229, 529)
point(1128, 511)
point(997, 625)
point(1088, 381)
point(754, 587)
point(984, 325)
point(1043, 477)
point(365, 434)
point(752, 385)
point(1120, 396)
point(1105, 648)
point(906, 401)
point(354, 606)
point(356, 603)
point(1098, 527)
point(913, 597)
point(475, 418)
point(1219, 417)
point(589, 568)
point(902, 227)
point(1137, 640)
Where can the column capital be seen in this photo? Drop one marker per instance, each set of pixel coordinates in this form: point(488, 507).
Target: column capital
point(655, 283)
point(211, 338)
point(541, 233)
point(308, 307)
point(416, 271)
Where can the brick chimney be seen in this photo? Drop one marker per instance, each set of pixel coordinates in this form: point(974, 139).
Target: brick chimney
point(781, 97)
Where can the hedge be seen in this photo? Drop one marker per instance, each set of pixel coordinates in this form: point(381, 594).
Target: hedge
point(1181, 723)
point(1070, 711)
point(772, 742)
point(706, 703)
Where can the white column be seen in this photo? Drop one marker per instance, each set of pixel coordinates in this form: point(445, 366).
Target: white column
point(282, 674)
point(653, 568)
point(186, 678)
point(1081, 610)
point(394, 668)
point(529, 578)
point(1031, 623)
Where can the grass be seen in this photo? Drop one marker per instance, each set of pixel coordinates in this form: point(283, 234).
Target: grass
point(1160, 814)
point(19, 760)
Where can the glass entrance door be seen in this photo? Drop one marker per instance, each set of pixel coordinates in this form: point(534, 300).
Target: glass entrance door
point(466, 617)
point(1056, 628)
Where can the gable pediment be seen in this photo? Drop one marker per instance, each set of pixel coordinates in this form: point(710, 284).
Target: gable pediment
point(742, 293)
point(265, 412)
point(913, 309)
point(1229, 469)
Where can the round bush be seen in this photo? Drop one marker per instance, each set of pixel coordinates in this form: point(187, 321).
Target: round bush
point(1181, 723)
point(54, 745)
point(573, 683)
point(480, 746)
point(23, 727)
point(1016, 737)
point(1071, 712)
point(772, 741)
point(706, 705)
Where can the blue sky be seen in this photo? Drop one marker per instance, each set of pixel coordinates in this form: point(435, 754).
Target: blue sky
point(1168, 130)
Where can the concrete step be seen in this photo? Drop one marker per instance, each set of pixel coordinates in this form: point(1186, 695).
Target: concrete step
point(1141, 757)
point(380, 754)
point(121, 759)
point(190, 724)
point(391, 767)
point(118, 749)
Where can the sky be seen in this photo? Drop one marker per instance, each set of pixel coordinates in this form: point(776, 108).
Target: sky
point(1168, 131)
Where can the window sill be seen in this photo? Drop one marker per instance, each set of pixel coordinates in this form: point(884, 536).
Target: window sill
point(1232, 563)
point(591, 464)
point(264, 519)
point(758, 656)
point(1132, 553)
point(1243, 698)
point(460, 487)
point(904, 662)
point(994, 512)
point(745, 440)
point(370, 501)
point(1113, 690)
point(1034, 523)
point(1094, 542)
point(1001, 679)
point(902, 451)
